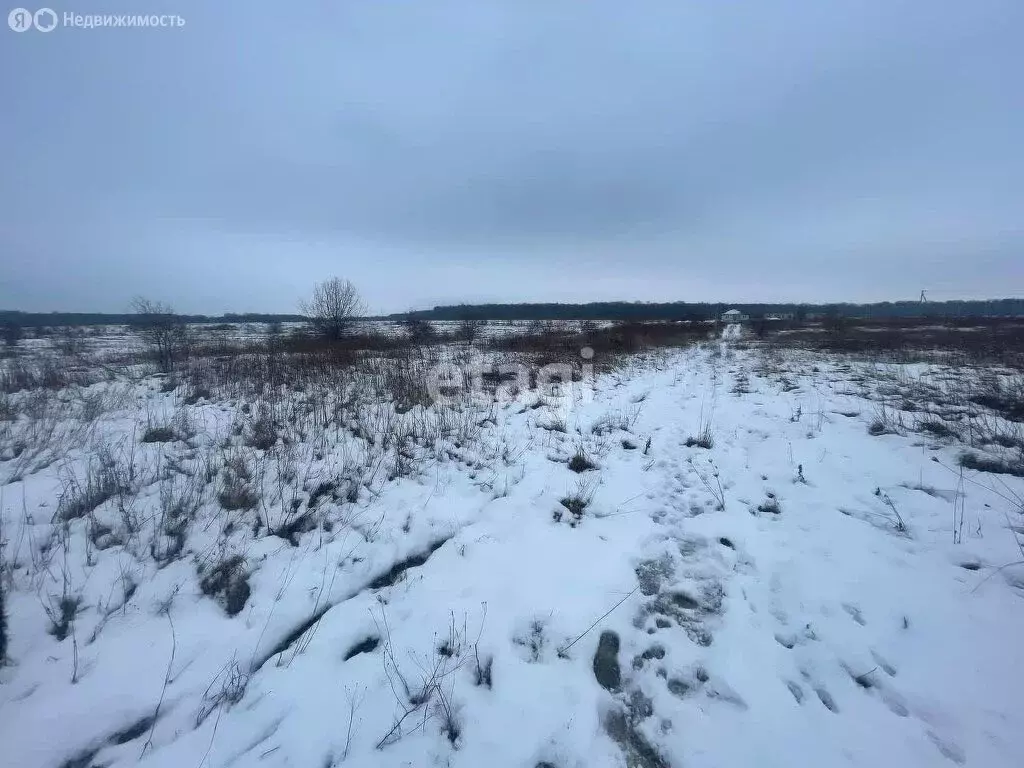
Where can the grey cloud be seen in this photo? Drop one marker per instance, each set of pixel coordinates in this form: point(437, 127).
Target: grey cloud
point(654, 138)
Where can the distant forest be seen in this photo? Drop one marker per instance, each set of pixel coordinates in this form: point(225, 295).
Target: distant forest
point(53, 319)
point(621, 310)
point(608, 310)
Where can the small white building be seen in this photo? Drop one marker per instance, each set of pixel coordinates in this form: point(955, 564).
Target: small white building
point(734, 316)
point(779, 316)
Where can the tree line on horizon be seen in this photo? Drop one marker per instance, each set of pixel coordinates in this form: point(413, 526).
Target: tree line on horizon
point(696, 311)
point(39, 319)
point(606, 310)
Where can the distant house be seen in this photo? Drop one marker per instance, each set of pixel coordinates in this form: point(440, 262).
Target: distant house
point(779, 316)
point(734, 316)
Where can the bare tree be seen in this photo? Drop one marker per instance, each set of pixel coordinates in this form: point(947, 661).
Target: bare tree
point(834, 322)
point(420, 331)
point(334, 305)
point(12, 333)
point(163, 332)
point(68, 339)
point(469, 328)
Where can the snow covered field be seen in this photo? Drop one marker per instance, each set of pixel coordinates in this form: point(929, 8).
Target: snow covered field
point(114, 341)
point(720, 555)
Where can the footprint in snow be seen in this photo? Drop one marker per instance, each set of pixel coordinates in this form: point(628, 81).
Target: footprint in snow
point(874, 681)
point(822, 692)
point(895, 703)
point(826, 699)
point(888, 668)
point(796, 690)
point(949, 749)
point(786, 640)
point(855, 613)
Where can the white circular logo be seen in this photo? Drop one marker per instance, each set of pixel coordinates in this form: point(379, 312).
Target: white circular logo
point(20, 20)
point(45, 19)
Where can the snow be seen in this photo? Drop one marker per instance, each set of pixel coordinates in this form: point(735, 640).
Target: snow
point(113, 342)
point(769, 611)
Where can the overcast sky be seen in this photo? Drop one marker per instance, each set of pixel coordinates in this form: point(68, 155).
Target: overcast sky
point(514, 150)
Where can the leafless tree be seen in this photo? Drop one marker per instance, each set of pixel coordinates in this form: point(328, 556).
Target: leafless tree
point(68, 339)
point(12, 333)
point(834, 323)
point(420, 331)
point(334, 305)
point(469, 328)
point(163, 332)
